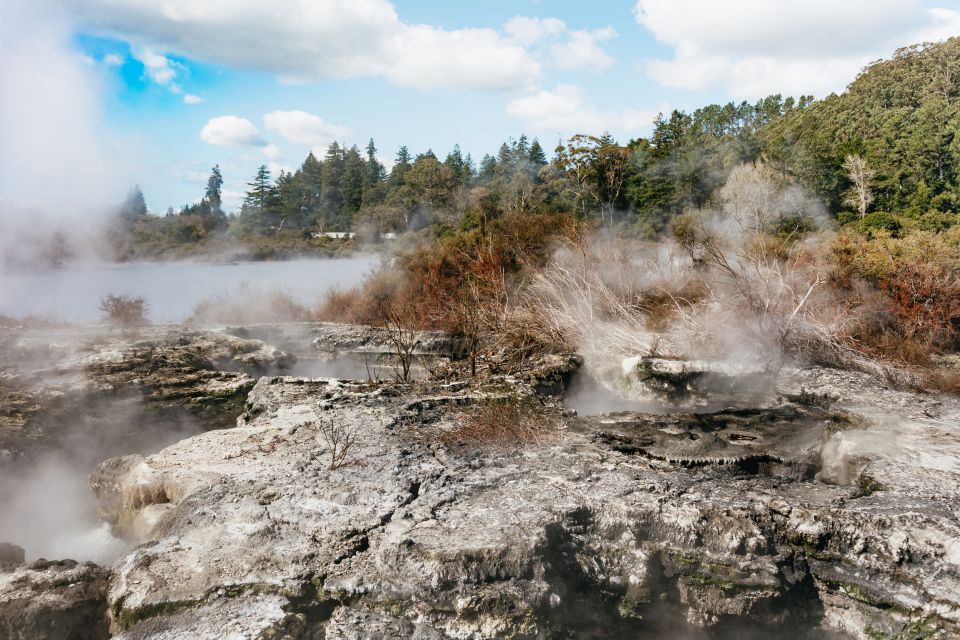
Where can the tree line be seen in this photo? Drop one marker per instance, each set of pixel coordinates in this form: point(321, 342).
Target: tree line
point(886, 146)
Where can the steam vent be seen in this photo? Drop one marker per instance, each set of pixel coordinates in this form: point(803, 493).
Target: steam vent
point(333, 508)
point(423, 320)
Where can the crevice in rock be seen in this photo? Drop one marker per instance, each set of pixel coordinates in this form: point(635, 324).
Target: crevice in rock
point(675, 597)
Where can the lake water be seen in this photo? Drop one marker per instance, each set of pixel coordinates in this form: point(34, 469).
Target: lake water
point(171, 289)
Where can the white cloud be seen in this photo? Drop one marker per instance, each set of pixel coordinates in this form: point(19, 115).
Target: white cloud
point(232, 198)
point(189, 98)
point(272, 152)
point(527, 31)
point(465, 59)
point(113, 60)
point(276, 168)
point(582, 50)
point(157, 67)
point(304, 40)
point(755, 47)
point(304, 128)
point(562, 47)
point(563, 110)
point(231, 131)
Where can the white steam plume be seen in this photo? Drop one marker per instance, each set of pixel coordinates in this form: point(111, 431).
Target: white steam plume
point(58, 168)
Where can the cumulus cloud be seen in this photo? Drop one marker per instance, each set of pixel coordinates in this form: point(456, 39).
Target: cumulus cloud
point(752, 48)
point(559, 45)
point(526, 31)
point(563, 110)
point(113, 60)
point(272, 151)
point(582, 50)
point(189, 98)
point(302, 40)
point(158, 68)
point(231, 131)
point(464, 59)
point(304, 128)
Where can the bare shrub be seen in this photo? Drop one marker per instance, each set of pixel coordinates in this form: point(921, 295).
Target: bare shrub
point(733, 285)
point(601, 295)
point(340, 440)
point(402, 339)
point(124, 310)
point(463, 283)
point(503, 422)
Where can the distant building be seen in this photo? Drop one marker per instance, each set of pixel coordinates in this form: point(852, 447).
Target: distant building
point(336, 235)
point(389, 235)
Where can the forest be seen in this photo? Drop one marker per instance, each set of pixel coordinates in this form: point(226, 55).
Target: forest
point(883, 154)
point(819, 229)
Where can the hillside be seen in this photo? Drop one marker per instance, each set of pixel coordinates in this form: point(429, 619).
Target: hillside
point(901, 115)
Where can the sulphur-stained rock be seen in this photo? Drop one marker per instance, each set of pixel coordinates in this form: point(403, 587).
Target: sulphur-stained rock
point(62, 600)
point(620, 526)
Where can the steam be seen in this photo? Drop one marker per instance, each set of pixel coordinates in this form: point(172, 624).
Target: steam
point(47, 506)
point(250, 305)
point(51, 513)
point(243, 292)
point(58, 171)
point(736, 292)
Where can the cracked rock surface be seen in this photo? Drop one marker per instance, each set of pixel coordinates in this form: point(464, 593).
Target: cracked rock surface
point(838, 519)
point(51, 380)
point(347, 510)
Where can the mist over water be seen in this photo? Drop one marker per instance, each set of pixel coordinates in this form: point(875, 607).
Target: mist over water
point(46, 506)
point(172, 290)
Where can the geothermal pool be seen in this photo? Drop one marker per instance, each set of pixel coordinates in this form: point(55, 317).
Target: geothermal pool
point(172, 289)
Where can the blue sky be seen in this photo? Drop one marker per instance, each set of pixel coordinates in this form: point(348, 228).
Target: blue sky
point(185, 84)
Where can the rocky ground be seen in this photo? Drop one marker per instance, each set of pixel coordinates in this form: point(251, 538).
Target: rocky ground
point(360, 509)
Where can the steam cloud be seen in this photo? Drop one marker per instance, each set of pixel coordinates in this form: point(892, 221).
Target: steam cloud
point(59, 170)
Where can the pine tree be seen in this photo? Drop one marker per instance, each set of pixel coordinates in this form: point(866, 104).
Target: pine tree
point(400, 167)
point(261, 194)
point(135, 205)
point(488, 169)
point(311, 188)
point(505, 158)
point(458, 165)
point(214, 191)
point(374, 178)
point(331, 199)
point(521, 150)
point(352, 184)
point(537, 156)
point(376, 173)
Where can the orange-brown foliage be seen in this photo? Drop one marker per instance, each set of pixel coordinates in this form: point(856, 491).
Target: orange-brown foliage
point(459, 282)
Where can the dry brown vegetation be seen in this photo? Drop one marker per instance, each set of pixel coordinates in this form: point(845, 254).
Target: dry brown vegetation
point(249, 305)
point(503, 422)
point(759, 276)
point(124, 310)
point(907, 290)
point(466, 283)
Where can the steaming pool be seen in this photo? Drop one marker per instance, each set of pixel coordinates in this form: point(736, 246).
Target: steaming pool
point(172, 289)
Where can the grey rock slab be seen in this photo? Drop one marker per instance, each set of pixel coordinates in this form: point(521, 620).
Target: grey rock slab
point(583, 535)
